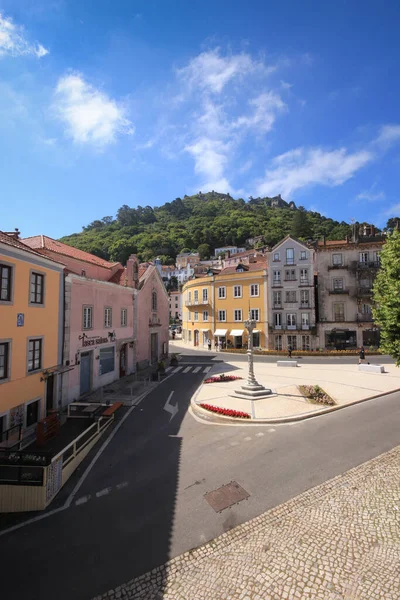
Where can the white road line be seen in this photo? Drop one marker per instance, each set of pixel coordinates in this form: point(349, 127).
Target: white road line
point(247, 439)
point(122, 485)
point(104, 492)
point(197, 369)
point(176, 370)
point(271, 430)
point(168, 369)
point(260, 434)
point(187, 369)
point(82, 500)
point(206, 369)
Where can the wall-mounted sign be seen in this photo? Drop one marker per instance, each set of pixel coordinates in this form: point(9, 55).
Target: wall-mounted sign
point(20, 319)
point(95, 341)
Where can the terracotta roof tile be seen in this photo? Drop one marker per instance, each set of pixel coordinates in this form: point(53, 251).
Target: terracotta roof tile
point(119, 276)
point(12, 241)
point(42, 242)
point(258, 266)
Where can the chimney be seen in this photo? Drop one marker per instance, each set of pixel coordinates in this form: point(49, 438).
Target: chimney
point(132, 271)
point(13, 234)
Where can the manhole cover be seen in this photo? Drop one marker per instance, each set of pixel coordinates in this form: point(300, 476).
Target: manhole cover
point(226, 495)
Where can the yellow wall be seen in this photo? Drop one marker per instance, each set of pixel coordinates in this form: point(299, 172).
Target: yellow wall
point(38, 321)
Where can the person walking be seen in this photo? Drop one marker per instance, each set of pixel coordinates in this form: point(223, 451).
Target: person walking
point(289, 351)
point(361, 359)
point(209, 344)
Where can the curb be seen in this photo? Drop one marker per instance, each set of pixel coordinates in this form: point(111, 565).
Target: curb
point(208, 417)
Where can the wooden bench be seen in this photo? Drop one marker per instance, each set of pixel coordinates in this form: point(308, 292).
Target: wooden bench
point(112, 409)
point(371, 368)
point(287, 363)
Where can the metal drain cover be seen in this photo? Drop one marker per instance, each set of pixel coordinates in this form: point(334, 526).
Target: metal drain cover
point(226, 495)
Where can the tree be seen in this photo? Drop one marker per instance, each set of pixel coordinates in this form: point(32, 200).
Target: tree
point(172, 285)
point(392, 224)
point(301, 227)
point(204, 251)
point(386, 311)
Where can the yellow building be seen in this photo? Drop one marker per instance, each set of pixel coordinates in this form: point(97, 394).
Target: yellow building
point(215, 307)
point(31, 336)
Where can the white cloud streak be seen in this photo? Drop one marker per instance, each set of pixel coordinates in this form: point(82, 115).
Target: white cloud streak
point(89, 115)
point(388, 135)
point(371, 196)
point(14, 43)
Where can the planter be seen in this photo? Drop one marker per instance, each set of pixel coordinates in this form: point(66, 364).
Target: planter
point(222, 378)
point(227, 412)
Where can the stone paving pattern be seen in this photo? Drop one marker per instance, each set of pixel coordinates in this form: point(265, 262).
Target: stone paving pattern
point(337, 541)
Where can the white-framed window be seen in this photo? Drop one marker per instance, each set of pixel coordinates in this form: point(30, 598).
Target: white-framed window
point(292, 341)
point(106, 360)
point(176, 298)
point(337, 259)
point(87, 317)
point(377, 256)
point(290, 256)
point(205, 315)
point(196, 316)
point(366, 309)
point(107, 316)
point(255, 314)
point(190, 297)
point(303, 276)
point(222, 315)
point(278, 342)
point(305, 320)
point(276, 257)
point(237, 291)
point(303, 254)
point(205, 294)
point(338, 284)
point(278, 320)
point(196, 295)
point(305, 342)
point(222, 292)
point(290, 275)
point(276, 276)
point(338, 311)
point(277, 298)
point(254, 290)
point(237, 315)
point(290, 296)
point(364, 257)
point(291, 320)
point(124, 317)
point(32, 413)
point(304, 297)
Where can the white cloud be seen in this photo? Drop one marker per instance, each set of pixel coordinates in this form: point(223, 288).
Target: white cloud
point(392, 211)
point(303, 167)
point(210, 160)
point(388, 135)
point(371, 196)
point(211, 72)
point(88, 114)
point(14, 43)
point(246, 166)
point(286, 85)
point(266, 106)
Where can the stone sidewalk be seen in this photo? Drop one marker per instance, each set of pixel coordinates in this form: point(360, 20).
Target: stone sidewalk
point(337, 541)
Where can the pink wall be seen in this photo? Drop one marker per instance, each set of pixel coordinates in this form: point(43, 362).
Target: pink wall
point(144, 313)
point(76, 266)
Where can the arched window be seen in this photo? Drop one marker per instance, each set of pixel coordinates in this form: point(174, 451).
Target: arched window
point(154, 301)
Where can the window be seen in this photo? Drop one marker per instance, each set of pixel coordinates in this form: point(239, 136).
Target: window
point(365, 309)
point(154, 301)
point(237, 315)
point(237, 291)
point(290, 296)
point(107, 317)
point(190, 296)
point(291, 320)
point(176, 306)
point(305, 342)
point(176, 298)
point(34, 355)
point(254, 290)
point(337, 259)
point(305, 320)
point(377, 256)
point(292, 341)
point(303, 276)
point(222, 315)
point(87, 317)
point(338, 311)
point(277, 276)
point(36, 289)
point(5, 283)
point(32, 413)
point(196, 296)
point(205, 295)
point(364, 257)
point(276, 257)
point(106, 360)
point(189, 336)
point(278, 342)
point(290, 275)
point(205, 315)
point(290, 256)
point(277, 298)
point(124, 317)
point(4, 359)
point(278, 320)
point(303, 254)
point(255, 314)
point(338, 284)
point(222, 292)
point(196, 316)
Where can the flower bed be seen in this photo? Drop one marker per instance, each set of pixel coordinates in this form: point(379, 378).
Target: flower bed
point(220, 378)
point(302, 352)
point(228, 412)
point(317, 395)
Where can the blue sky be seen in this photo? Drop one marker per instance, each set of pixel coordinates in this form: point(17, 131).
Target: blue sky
point(105, 103)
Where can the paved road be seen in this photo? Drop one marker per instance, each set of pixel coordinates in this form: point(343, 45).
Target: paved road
point(143, 501)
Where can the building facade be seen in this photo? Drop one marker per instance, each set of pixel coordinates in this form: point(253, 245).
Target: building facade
point(31, 336)
point(175, 306)
point(292, 317)
point(187, 258)
point(231, 250)
point(346, 273)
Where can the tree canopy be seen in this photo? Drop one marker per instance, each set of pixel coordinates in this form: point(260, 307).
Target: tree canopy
point(200, 222)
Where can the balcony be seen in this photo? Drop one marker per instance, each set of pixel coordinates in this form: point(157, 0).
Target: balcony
point(364, 292)
point(196, 302)
point(368, 265)
point(339, 291)
point(364, 318)
point(305, 304)
point(277, 327)
point(338, 266)
point(290, 279)
point(276, 284)
point(304, 282)
point(277, 305)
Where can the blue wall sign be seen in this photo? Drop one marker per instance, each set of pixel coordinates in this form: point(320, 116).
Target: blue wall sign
point(20, 319)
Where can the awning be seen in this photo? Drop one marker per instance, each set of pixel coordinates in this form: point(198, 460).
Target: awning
point(256, 330)
point(237, 332)
point(205, 329)
point(220, 332)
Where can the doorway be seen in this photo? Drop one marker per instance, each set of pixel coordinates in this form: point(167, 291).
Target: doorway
point(154, 347)
point(122, 361)
point(86, 373)
point(196, 337)
point(49, 393)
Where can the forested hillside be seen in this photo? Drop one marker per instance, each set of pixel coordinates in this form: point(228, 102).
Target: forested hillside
point(202, 221)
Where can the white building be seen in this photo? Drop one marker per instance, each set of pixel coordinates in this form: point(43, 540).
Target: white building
point(231, 249)
point(175, 305)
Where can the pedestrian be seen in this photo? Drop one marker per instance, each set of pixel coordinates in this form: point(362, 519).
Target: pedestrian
point(209, 344)
point(289, 351)
point(219, 345)
point(361, 359)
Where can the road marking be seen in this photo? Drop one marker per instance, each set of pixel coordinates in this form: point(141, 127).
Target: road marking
point(170, 408)
point(176, 370)
point(187, 369)
point(206, 369)
point(168, 369)
point(247, 439)
point(260, 434)
point(104, 492)
point(122, 485)
point(271, 430)
point(82, 500)
point(197, 369)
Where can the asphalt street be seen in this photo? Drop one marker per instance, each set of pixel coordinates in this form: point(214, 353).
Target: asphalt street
point(143, 501)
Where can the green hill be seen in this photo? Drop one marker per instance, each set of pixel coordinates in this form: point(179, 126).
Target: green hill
point(203, 220)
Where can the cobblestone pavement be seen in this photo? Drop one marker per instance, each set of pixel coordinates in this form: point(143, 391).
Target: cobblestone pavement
point(337, 541)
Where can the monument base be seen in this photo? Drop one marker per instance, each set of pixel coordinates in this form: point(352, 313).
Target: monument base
point(253, 392)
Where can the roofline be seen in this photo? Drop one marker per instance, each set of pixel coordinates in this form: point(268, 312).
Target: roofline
point(287, 237)
point(28, 250)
